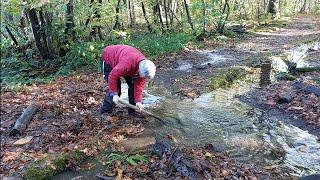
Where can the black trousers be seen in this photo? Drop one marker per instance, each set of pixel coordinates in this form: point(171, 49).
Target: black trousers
point(108, 105)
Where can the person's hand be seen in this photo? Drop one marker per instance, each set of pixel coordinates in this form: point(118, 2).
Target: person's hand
point(115, 99)
point(139, 105)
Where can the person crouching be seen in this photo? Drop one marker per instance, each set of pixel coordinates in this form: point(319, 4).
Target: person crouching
point(127, 62)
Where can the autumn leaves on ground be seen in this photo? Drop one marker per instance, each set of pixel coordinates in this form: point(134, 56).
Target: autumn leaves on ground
point(66, 128)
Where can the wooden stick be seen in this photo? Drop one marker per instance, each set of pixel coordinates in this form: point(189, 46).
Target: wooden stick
point(136, 108)
point(24, 120)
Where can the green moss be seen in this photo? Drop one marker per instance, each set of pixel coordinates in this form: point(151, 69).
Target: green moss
point(59, 164)
point(285, 77)
point(227, 78)
point(36, 173)
point(78, 156)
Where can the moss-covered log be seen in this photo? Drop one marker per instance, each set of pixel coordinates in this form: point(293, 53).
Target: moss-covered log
point(307, 69)
point(59, 163)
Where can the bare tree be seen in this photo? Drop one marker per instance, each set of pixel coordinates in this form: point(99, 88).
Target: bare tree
point(188, 16)
point(145, 17)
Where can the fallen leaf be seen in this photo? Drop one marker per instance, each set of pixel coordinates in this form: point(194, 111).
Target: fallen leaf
point(9, 156)
point(297, 108)
point(208, 155)
point(24, 140)
point(270, 102)
point(270, 167)
point(119, 174)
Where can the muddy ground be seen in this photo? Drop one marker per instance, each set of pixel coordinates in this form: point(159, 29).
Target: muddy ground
point(67, 119)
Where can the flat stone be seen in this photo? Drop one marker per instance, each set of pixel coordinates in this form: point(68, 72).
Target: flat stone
point(138, 143)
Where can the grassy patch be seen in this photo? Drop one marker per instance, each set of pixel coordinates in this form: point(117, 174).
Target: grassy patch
point(226, 78)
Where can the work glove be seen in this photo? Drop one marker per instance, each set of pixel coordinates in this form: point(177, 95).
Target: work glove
point(139, 105)
point(115, 99)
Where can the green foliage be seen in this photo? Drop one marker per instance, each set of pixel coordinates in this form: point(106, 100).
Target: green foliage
point(131, 159)
point(84, 55)
point(87, 54)
point(115, 157)
point(17, 72)
point(226, 78)
point(317, 10)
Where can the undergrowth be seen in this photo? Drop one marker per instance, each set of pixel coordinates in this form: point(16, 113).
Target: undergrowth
point(18, 71)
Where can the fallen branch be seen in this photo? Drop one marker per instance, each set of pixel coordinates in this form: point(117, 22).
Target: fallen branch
point(104, 177)
point(24, 120)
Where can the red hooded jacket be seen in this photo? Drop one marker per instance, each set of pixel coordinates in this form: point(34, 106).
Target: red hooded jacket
point(124, 61)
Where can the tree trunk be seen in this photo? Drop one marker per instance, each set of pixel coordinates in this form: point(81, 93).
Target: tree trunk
point(303, 8)
point(222, 22)
point(145, 17)
point(36, 33)
point(166, 13)
point(272, 7)
point(171, 12)
point(117, 23)
point(88, 19)
point(204, 16)
point(43, 32)
point(188, 16)
point(48, 19)
point(279, 7)
point(133, 13)
point(129, 13)
point(68, 31)
point(160, 16)
point(11, 36)
point(258, 10)
point(295, 6)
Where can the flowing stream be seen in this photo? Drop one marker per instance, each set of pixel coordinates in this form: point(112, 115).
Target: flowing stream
point(248, 134)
